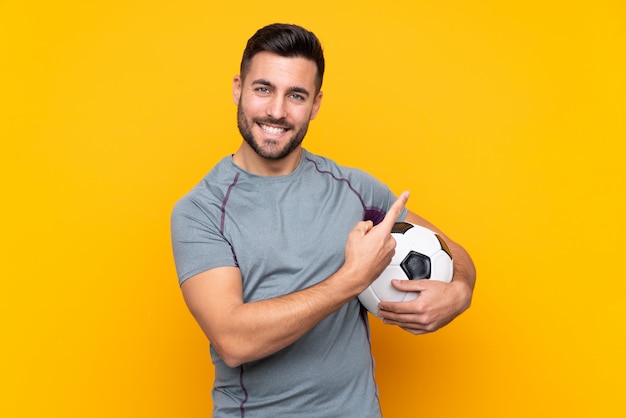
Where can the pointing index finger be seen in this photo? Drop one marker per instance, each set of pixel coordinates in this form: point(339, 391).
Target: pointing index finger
point(394, 211)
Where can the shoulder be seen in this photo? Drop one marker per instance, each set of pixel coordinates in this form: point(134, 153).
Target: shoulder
point(210, 191)
point(375, 196)
point(325, 165)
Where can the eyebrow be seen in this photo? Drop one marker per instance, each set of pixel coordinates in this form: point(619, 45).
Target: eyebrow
point(294, 89)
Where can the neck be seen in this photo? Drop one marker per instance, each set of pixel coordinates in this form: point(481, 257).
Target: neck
point(247, 159)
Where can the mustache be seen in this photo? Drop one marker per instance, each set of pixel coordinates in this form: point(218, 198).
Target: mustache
point(282, 122)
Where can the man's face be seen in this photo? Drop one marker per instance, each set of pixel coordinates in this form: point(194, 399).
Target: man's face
point(276, 101)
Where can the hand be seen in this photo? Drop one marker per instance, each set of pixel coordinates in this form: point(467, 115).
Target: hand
point(437, 305)
point(369, 248)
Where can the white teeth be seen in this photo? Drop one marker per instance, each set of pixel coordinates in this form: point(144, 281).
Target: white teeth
point(272, 130)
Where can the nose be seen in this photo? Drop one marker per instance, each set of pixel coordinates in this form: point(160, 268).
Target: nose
point(276, 107)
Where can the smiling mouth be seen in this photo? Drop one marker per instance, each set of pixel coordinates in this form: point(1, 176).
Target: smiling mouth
point(274, 130)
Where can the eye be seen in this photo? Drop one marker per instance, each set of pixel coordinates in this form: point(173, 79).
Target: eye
point(297, 97)
point(262, 90)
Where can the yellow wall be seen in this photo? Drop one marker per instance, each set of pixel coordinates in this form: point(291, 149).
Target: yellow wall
point(506, 120)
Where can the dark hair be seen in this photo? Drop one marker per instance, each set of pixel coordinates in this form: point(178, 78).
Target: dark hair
point(288, 41)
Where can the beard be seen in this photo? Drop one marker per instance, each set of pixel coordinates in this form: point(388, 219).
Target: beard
point(269, 148)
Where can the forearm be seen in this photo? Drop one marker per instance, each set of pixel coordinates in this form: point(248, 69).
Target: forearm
point(242, 332)
point(263, 327)
point(464, 276)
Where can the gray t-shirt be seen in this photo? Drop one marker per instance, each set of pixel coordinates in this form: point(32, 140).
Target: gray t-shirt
point(286, 233)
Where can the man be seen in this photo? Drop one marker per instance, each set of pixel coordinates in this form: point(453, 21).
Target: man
point(273, 246)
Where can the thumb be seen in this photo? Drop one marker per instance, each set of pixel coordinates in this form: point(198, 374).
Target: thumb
point(363, 227)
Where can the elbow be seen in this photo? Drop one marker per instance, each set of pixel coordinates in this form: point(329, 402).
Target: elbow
point(231, 361)
point(231, 354)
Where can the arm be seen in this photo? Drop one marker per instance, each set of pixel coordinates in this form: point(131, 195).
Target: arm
point(439, 303)
point(242, 332)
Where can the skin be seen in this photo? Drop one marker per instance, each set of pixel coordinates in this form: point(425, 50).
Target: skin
point(279, 94)
point(277, 99)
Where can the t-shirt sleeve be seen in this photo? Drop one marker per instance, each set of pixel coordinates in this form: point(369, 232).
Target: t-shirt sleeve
point(377, 197)
point(197, 242)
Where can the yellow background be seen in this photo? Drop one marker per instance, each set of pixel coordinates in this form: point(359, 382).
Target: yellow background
point(506, 120)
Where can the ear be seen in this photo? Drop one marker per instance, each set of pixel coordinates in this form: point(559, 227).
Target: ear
point(316, 105)
point(236, 88)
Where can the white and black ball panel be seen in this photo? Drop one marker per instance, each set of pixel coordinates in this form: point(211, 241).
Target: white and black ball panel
point(401, 227)
point(441, 263)
point(416, 266)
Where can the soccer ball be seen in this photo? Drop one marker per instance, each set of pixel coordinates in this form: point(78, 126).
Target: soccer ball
point(420, 254)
